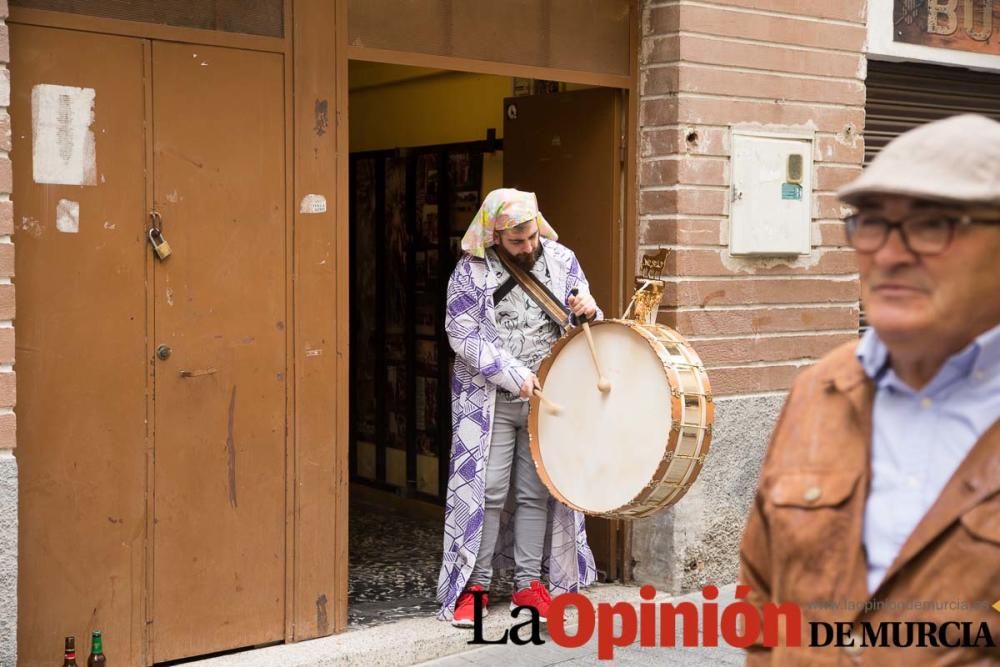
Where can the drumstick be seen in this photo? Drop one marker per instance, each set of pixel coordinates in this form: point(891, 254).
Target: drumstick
point(602, 382)
point(553, 407)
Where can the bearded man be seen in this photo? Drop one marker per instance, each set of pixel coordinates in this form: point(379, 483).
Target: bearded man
point(510, 298)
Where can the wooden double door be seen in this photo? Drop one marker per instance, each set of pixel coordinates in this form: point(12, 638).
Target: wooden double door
point(152, 394)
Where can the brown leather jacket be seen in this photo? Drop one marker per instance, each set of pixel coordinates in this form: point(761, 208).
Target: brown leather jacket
point(803, 539)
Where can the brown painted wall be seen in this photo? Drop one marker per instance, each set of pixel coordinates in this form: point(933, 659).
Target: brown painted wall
point(778, 63)
point(8, 437)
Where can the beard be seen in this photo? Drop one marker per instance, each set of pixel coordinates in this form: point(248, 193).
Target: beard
point(526, 260)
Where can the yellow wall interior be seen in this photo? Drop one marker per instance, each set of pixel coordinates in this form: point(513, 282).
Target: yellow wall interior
point(392, 106)
point(395, 106)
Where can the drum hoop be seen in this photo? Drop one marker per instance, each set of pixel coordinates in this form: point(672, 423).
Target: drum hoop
point(634, 508)
point(677, 425)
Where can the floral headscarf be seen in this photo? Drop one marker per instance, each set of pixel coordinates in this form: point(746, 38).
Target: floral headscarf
point(503, 209)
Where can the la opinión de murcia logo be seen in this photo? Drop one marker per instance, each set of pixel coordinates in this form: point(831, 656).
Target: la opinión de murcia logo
point(739, 624)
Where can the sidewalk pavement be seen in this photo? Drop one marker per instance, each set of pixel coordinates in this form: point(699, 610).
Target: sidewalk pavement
point(432, 642)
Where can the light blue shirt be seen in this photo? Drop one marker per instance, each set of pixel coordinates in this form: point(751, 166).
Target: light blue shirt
point(920, 438)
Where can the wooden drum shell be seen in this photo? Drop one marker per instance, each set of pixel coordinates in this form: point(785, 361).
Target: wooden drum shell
point(692, 413)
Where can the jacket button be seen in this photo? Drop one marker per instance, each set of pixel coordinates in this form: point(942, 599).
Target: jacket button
point(812, 494)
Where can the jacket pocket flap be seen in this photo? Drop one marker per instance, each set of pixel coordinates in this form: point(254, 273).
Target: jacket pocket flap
point(983, 521)
point(812, 489)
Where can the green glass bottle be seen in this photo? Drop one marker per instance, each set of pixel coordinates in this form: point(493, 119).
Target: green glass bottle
point(69, 652)
point(96, 658)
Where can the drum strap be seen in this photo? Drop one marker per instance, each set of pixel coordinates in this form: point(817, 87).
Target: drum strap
point(504, 290)
point(534, 288)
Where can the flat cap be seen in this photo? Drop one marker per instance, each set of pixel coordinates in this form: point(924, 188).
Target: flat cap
point(955, 160)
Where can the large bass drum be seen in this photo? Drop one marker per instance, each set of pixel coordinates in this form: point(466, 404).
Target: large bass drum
point(636, 448)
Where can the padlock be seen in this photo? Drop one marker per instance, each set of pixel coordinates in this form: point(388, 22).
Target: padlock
point(160, 244)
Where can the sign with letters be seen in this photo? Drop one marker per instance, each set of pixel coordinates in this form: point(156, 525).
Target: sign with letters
point(966, 25)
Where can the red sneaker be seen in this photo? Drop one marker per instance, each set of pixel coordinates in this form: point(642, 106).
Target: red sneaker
point(465, 607)
point(535, 595)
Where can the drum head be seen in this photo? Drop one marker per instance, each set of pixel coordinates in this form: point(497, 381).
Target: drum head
point(602, 449)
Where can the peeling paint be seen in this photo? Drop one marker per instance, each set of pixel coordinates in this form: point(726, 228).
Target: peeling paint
point(322, 114)
point(322, 621)
point(170, 297)
point(109, 225)
point(752, 264)
point(63, 145)
point(31, 226)
point(313, 353)
point(68, 216)
point(172, 197)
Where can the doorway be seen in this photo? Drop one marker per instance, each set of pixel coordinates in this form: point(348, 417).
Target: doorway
point(426, 146)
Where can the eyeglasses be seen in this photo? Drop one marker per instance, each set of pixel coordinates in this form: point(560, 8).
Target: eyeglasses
point(924, 232)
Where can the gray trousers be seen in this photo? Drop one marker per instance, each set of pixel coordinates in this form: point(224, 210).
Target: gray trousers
point(510, 453)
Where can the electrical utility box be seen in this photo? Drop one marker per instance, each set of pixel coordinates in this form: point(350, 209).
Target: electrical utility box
point(771, 193)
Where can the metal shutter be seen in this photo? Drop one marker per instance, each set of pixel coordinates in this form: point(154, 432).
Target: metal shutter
point(902, 96)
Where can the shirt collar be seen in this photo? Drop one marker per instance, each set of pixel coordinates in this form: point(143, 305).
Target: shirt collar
point(989, 352)
point(982, 355)
point(873, 354)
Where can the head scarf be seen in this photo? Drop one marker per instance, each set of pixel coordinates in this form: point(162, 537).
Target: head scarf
point(503, 209)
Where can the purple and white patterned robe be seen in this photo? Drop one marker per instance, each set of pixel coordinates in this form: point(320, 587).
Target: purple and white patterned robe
point(481, 364)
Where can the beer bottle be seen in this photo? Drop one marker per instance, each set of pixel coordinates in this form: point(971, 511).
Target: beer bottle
point(69, 653)
point(96, 658)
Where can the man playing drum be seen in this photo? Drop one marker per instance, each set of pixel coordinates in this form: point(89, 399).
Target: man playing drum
point(879, 499)
point(505, 310)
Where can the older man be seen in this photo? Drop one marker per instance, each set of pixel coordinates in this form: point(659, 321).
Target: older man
point(879, 499)
point(509, 299)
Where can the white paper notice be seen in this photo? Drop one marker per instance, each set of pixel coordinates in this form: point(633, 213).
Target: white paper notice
point(68, 216)
point(63, 149)
point(313, 204)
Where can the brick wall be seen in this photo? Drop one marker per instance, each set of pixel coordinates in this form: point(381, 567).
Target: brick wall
point(706, 66)
point(7, 382)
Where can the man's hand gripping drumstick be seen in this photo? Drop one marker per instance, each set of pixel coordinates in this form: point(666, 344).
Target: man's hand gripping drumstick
point(585, 308)
point(532, 387)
